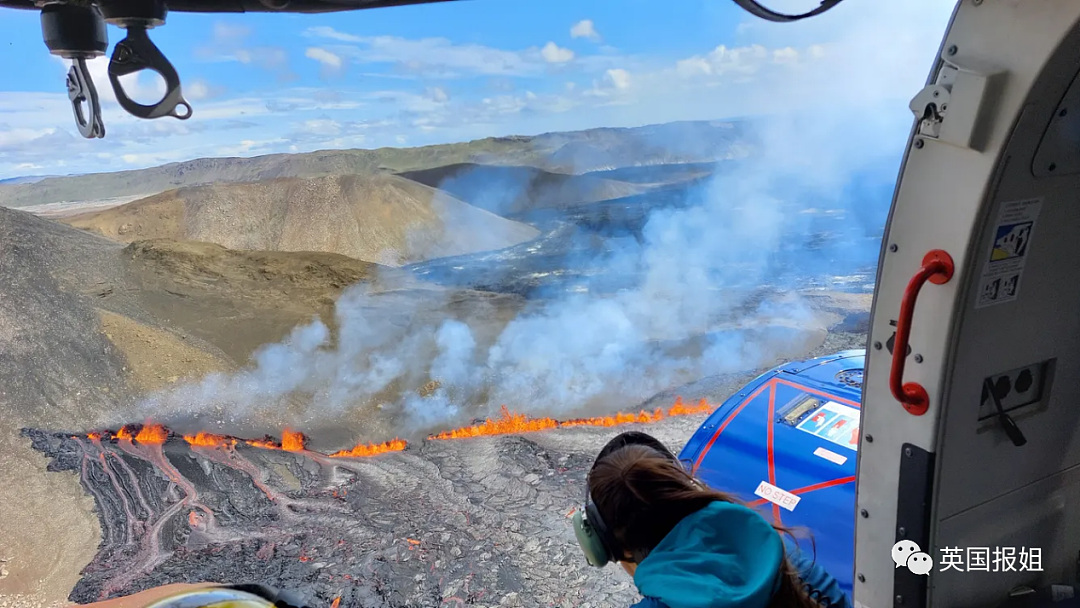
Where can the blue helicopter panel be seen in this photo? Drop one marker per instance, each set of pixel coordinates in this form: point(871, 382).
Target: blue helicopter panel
point(788, 444)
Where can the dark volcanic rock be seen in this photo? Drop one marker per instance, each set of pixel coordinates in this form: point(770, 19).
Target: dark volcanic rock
point(468, 522)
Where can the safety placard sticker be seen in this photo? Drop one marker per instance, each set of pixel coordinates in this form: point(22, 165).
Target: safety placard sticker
point(1000, 281)
point(777, 496)
point(834, 422)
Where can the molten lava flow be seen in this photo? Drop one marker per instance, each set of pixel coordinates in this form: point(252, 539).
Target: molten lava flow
point(507, 423)
point(617, 419)
point(336, 602)
point(152, 433)
point(267, 443)
point(292, 441)
point(678, 409)
point(125, 432)
point(209, 440)
point(371, 449)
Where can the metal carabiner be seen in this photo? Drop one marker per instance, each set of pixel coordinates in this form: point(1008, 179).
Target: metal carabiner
point(136, 53)
point(81, 91)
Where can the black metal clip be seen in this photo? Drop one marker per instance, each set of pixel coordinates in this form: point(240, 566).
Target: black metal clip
point(136, 53)
point(81, 91)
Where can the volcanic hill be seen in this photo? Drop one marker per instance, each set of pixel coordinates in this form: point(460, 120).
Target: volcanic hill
point(376, 218)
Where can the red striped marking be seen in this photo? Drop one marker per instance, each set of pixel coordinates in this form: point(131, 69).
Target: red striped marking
point(728, 420)
point(769, 447)
point(817, 486)
point(819, 393)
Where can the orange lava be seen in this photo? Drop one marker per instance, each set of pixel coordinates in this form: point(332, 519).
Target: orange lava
point(678, 409)
point(267, 443)
point(152, 433)
point(505, 424)
point(508, 423)
point(413, 541)
point(336, 602)
point(194, 519)
point(371, 449)
point(209, 440)
point(292, 441)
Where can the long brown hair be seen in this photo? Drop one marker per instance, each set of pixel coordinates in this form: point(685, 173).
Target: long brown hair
point(642, 493)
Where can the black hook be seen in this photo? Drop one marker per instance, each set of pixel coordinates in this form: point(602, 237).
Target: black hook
point(81, 91)
point(136, 53)
point(1007, 423)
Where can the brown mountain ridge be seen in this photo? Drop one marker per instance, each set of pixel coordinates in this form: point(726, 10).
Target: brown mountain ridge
point(375, 218)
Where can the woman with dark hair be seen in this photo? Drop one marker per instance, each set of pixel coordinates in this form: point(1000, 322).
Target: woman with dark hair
point(687, 545)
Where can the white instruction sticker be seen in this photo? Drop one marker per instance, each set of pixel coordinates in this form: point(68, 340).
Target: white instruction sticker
point(777, 496)
point(834, 422)
point(831, 456)
point(1000, 281)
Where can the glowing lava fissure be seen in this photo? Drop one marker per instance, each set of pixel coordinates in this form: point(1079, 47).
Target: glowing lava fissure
point(215, 505)
point(508, 423)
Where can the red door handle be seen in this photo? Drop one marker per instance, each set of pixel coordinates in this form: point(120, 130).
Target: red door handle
point(937, 267)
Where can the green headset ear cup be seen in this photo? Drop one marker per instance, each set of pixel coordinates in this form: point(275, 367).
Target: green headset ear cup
point(590, 542)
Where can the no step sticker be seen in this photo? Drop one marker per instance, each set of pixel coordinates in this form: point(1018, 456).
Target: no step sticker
point(777, 496)
point(1000, 281)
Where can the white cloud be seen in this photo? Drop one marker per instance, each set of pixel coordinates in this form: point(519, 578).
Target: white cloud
point(440, 57)
point(230, 32)
point(438, 94)
point(228, 43)
point(584, 29)
point(197, 90)
point(324, 57)
point(552, 53)
point(12, 137)
point(322, 126)
point(786, 55)
point(324, 31)
point(619, 78)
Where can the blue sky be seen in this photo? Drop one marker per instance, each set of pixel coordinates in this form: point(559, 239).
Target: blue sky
point(406, 76)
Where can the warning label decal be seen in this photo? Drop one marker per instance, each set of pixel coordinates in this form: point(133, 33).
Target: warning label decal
point(777, 496)
point(834, 422)
point(1000, 280)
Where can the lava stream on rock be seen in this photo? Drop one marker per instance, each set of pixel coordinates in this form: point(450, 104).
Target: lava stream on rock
point(386, 524)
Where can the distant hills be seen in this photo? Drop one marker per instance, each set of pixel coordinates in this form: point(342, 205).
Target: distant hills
point(509, 190)
point(573, 152)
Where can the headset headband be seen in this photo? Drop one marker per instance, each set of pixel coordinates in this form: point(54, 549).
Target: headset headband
point(597, 540)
